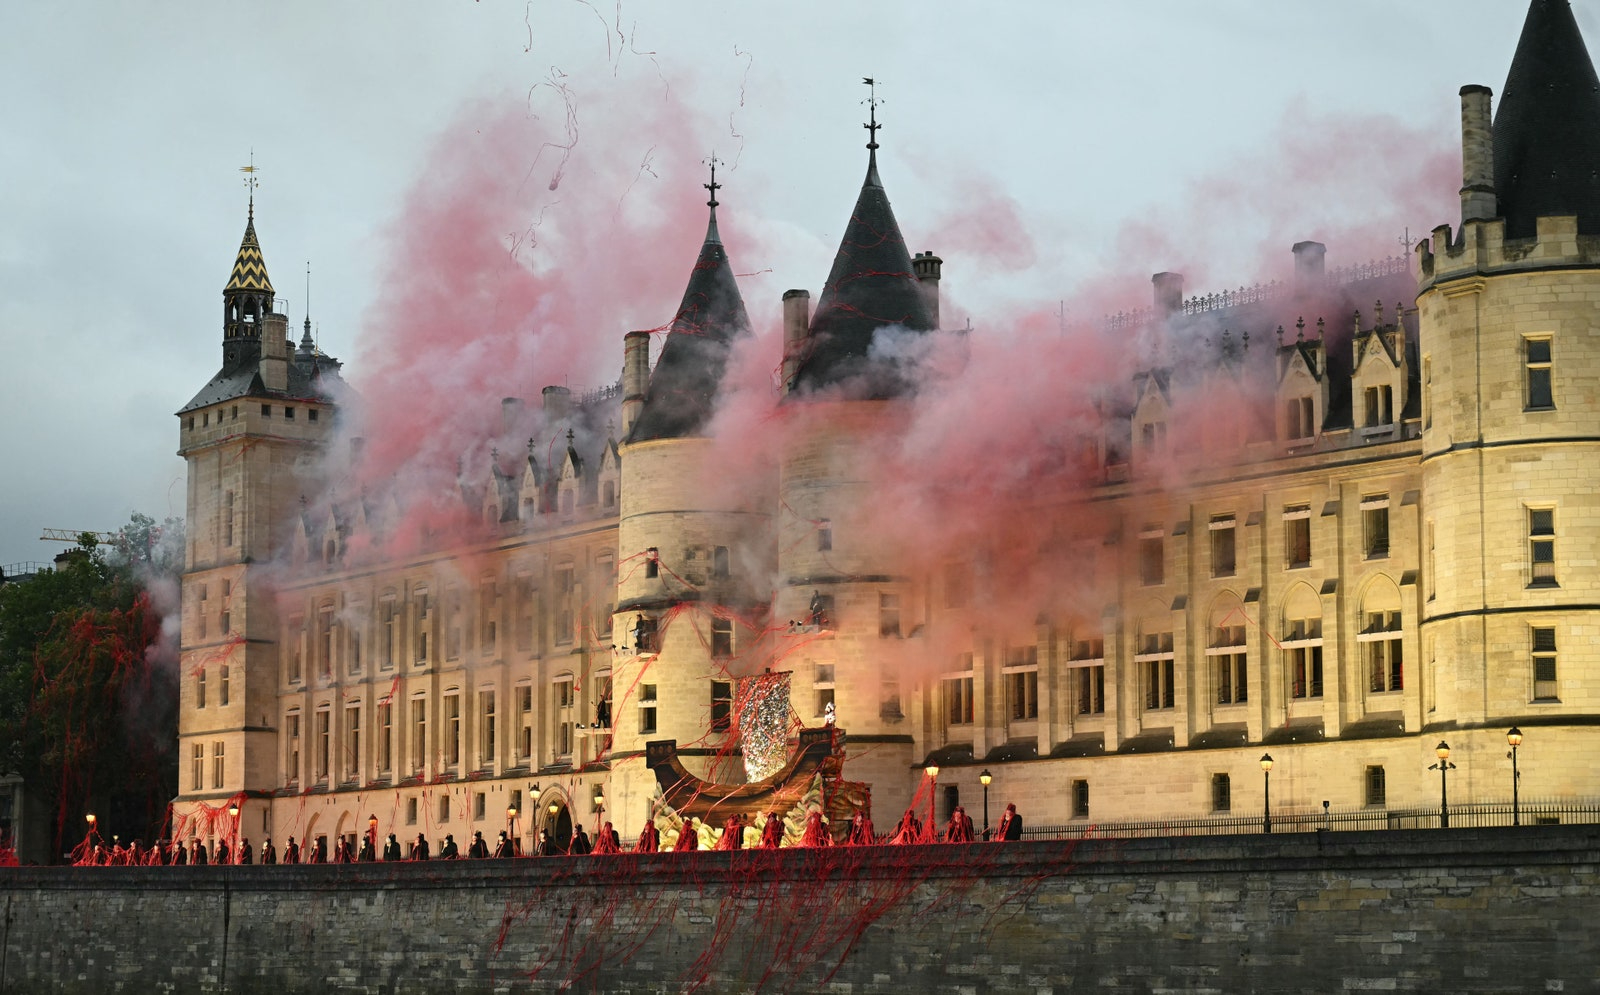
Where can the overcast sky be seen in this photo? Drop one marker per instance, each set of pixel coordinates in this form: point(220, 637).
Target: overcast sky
point(1108, 124)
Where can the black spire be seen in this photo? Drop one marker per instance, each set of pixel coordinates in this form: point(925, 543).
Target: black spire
point(1547, 130)
point(684, 384)
point(870, 287)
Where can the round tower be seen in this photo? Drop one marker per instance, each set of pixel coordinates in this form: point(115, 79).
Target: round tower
point(1511, 464)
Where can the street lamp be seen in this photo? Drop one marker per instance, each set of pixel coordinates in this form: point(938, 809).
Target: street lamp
point(1266, 792)
point(233, 833)
point(1444, 767)
point(533, 793)
point(599, 797)
point(932, 770)
point(984, 779)
point(1514, 739)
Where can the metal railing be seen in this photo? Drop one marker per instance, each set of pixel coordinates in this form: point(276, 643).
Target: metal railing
point(1473, 815)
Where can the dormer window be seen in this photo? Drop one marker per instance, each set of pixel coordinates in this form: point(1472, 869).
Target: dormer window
point(1380, 405)
point(1298, 420)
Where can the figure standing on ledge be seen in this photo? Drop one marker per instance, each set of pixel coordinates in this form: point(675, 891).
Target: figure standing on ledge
point(649, 839)
point(772, 832)
point(602, 712)
point(269, 853)
point(449, 851)
point(959, 828)
point(366, 855)
point(816, 833)
point(907, 830)
point(341, 852)
point(319, 851)
point(688, 836)
point(477, 849)
point(199, 855)
point(580, 843)
point(732, 837)
point(861, 830)
point(607, 841)
point(391, 848)
point(291, 852)
point(1010, 826)
point(246, 854)
point(502, 846)
point(419, 849)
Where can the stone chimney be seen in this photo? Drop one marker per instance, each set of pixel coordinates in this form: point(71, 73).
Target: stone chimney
point(275, 352)
point(557, 402)
point(635, 377)
point(1478, 200)
point(796, 326)
point(1168, 294)
point(927, 267)
point(1309, 264)
point(510, 414)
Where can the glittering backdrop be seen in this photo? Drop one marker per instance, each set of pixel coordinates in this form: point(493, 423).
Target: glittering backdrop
point(763, 707)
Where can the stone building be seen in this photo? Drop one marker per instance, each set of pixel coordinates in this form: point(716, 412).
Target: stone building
point(1398, 549)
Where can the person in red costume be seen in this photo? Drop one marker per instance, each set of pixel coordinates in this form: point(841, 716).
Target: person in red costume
point(606, 841)
point(688, 836)
point(649, 839)
point(861, 833)
point(907, 830)
point(772, 832)
point(732, 837)
point(959, 828)
point(816, 832)
point(1010, 826)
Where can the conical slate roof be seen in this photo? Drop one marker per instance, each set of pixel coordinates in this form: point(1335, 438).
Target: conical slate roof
point(1547, 130)
point(871, 287)
point(684, 384)
point(249, 268)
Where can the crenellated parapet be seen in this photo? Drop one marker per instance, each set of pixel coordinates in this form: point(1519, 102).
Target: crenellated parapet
point(1480, 248)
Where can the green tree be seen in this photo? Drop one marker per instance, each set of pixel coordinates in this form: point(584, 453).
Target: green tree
point(89, 681)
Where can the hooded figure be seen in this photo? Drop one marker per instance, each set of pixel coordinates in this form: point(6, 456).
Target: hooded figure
point(580, 843)
point(419, 849)
point(291, 852)
point(391, 848)
point(502, 847)
point(816, 833)
point(448, 851)
point(246, 854)
point(649, 839)
point(1010, 825)
point(772, 832)
point(269, 853)
point(861, 830)
point(688, 836)
point(477, 849)
point(367, 854)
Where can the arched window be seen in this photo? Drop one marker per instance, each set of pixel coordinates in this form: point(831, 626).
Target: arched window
point(1302, 642)
point(1378, 631)
point(1225, 651)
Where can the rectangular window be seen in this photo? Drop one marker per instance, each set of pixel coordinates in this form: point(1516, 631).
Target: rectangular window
point(1375, 526)
point(1537, 353)
point(824, 535)
point(411, 811)
point(1431, 573)
point(1159, 686)
point(488, 612)
point(1542, 546)
point(486, 730)
point(1091, 690)
point(647, 708)
point(227, 519)
point(1152, 558)
point(352, 742)
point(1080, 799)
point(889, 616)
point(824, 699)
point(1385, 659)
point(1297, 536)
point(1153, 435)
point(452, 730)
point(388, 632)
point(1544, 665)
point(1427, 392)
point(1221, 793)
point(419, 734)
point(721, 638)
point(385, 737)
point(1298, 423)
point(444, 809)
point(1380, 405)
point(312, 414)
point(325, 642)
point(527, 597)
point(355, 647)
point(480, 805)
point(1024, 694)
point(1377, 787)
point(197, 773)
point(1305, 670)
point(321, 746)
point(958, 701)
point(222, 685)
point(292, 755)
point(452, 625)
point(200, 687)
point(218, 764)
point(720, 564)
point(266, 411)
point(524, 722)
point(288, 413)
point(424, 618)
point(202, 611)
point(1232, 678)
point(1222, 546)
point(721, 706)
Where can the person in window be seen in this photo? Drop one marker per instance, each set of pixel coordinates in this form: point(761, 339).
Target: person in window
point(269, 853)
point(602, 712)
point(477, 849)
point(649, 839)
point(580, 843)
point(391, 848)
point(448, 851)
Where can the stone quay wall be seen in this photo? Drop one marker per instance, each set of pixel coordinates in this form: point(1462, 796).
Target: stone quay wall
point(1502, 910)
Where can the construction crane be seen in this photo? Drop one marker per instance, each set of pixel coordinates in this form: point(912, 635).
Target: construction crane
point(68, 535)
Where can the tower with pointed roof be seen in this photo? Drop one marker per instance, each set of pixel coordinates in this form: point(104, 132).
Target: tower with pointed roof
point(1508, 303)
point(694, 560)
point(252, 437)
point(846, 397)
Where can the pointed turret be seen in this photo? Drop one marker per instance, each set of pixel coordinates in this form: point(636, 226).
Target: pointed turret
point(1547, 131)
point(871, 286)
point(684, 385)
